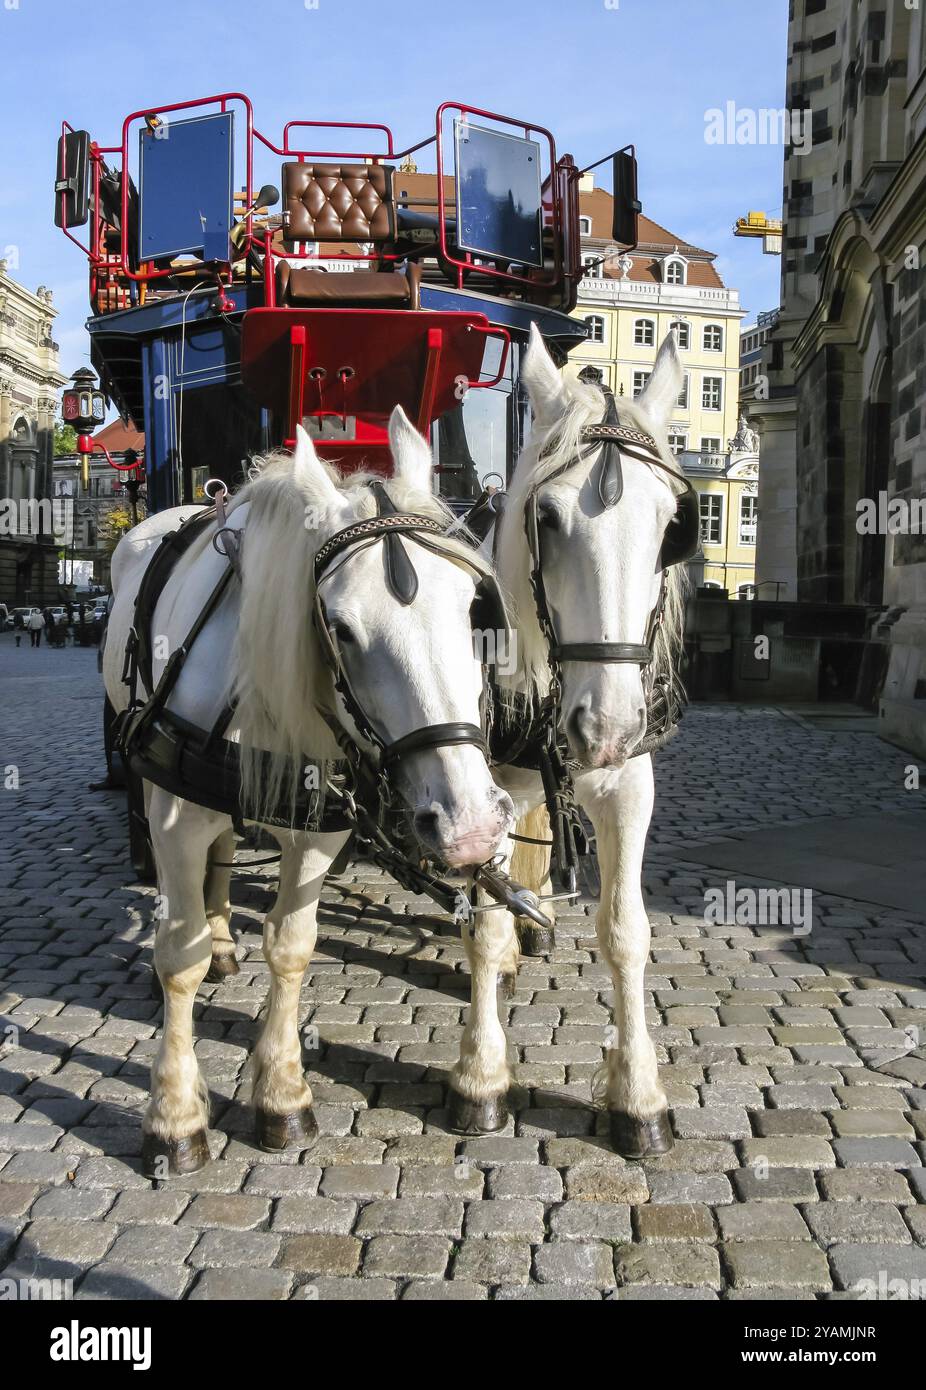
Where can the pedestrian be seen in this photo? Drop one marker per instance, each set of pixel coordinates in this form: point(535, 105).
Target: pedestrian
point(19, 627)
point(35, 622)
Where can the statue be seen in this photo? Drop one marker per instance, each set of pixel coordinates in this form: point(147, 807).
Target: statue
point(745, 441)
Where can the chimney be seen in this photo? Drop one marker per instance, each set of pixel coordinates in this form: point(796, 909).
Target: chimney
point(587, 182)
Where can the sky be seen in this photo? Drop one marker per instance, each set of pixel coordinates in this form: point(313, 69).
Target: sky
point(598, 73)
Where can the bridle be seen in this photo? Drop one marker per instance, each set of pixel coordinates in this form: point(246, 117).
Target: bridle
point(680, 542)
point(386, 528)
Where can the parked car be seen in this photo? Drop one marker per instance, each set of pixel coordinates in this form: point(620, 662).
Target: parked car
point(21, 614)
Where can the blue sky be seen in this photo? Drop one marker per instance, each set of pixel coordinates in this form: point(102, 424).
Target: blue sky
point(598, 73)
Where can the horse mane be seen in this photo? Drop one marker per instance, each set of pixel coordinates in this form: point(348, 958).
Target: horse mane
point(280, 682)
point(547, 450)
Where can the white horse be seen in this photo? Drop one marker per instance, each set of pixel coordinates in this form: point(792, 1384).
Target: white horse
point(411, 665)
point(602, 578)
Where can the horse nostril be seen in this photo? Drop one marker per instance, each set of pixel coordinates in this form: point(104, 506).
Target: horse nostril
point(425, 823)
point(578, 727)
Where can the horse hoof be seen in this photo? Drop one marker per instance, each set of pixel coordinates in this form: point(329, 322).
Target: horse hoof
point(220, 968)
point(635, 1138)
point(278, 1132)
point(534, 940)
point(467, 1116)
point(162, 1157)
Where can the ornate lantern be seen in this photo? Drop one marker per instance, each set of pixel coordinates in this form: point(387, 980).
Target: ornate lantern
point(83, 405)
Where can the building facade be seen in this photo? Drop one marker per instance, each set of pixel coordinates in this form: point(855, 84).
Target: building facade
point(629, 302)
point(845, 418)
point(29, 382)
point(97, 515)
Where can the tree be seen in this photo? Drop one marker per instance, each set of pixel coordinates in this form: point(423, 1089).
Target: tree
point(114, 523)
point(65, 440)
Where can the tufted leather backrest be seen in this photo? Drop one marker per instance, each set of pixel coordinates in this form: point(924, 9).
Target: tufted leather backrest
point(338, 202)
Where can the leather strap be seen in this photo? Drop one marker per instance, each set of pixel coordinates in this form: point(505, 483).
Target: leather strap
point(603, 651)
point(434, 736)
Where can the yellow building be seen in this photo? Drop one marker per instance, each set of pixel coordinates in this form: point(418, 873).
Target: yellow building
point(630, 302)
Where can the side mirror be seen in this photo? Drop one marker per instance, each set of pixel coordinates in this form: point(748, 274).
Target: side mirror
point(627, 207)
point(72, 179)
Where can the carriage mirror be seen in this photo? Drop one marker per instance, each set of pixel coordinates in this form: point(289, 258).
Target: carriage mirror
point(72, 179)
point(627, 207)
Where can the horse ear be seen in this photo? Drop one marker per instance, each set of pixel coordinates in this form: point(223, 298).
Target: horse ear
point(411, 452)
point(546, 389)
point(662, 390)
point(309, 469)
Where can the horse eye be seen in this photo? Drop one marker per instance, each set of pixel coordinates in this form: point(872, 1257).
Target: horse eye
point(548, 516)
point(343, 633)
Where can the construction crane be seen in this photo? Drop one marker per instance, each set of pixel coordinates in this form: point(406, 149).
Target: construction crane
point(759, 224)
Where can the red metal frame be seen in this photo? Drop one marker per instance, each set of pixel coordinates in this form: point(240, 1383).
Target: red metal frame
point(146, 274)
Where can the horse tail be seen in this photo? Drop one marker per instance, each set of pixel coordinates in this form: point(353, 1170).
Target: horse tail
point(530, 864)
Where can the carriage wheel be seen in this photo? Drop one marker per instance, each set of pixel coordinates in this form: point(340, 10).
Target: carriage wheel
point(140, 850)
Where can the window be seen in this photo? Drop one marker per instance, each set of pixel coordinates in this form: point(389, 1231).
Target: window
point(678, 443)
point(644, 333)
point(713, 338)
point(682, 402)
point(595, 328)
point(711, 505)
point(710, 444)
point(639, 382)
point(712, 393)
point(675, 272)
point(585, 226)
point(682, 333)
point(746, 591)
point(748, 518)
point(592, 263)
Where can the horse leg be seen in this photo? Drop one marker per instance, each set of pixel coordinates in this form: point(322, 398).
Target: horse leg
point(620, 809)
point(530, 865)
point(174, 1138)
point(218, 908)
point(281, 1095)
point(480, 1079)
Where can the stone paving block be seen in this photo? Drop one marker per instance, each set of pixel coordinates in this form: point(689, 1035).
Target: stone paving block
point(765, 1221)
point(242, 1285)
point(619, 1185)
point(216, 1249)
point(711, 1188)
point(487, 1261)
point(775, 1185)
point(796, 1151)
point(454, 1291)
point(870, 1123)
point(230, 1210)
point(333, 1255)
point(769, 1124)
point(876, 1267)
point(523, 1180)
point(717, 1122)
point(866, 1185)
point(314, 1215)
point(140, 1207)
point(514, 1218)
point(153, 1245)
point(361, 1180)
point(575, 1262)
point(406, 1257)
point(16, 1198)
point(876, 1153)
point(411, 1215)
point(760, 1264)
point(837, 1223)
point(689, 1265)
point(76, 1242)
point(134, 1282)
point(680, 1221)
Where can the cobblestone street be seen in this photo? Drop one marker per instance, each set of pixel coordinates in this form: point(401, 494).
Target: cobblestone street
point(794, 1065)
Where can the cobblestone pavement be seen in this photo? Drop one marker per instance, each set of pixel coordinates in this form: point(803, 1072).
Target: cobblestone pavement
point(797, 1087)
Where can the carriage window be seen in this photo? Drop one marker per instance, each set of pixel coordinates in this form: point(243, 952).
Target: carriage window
point(478, 437)
point(712, 393)
point(711, 506)
point(644, 333)
point(639, 382)
point(713, 338)
point(749, 514)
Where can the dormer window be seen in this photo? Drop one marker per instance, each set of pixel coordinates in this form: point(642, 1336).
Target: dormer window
point(585, 226)
point(675, 272)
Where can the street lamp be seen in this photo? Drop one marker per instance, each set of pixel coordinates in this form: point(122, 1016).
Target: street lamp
point(83, 405)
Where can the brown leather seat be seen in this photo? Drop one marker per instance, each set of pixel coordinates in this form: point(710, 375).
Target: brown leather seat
point(338, 202)
point(348, 289)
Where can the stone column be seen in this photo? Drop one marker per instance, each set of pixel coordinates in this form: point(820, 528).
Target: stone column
point(6, 398)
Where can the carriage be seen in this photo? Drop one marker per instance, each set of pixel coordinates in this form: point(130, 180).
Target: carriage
point(226, 310)
point(386, 320)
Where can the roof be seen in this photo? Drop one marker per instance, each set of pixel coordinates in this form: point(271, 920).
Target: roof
point(117, 437)
point(655, 239)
